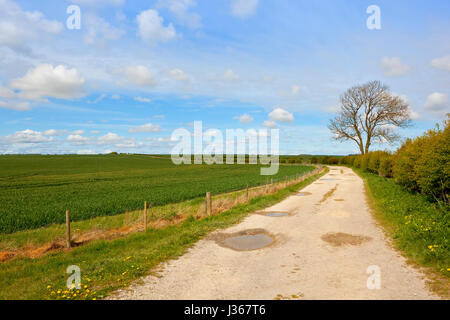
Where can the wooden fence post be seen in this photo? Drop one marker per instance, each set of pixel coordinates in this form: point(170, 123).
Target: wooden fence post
point(208, 203)
point(68, 240)
point(145, 216)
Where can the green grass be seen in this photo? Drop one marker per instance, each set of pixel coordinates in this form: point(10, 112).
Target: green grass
point(421, 229)
point(109, 265)
point(36, 190)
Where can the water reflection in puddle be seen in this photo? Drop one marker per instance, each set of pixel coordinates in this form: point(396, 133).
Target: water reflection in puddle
point(248, 242)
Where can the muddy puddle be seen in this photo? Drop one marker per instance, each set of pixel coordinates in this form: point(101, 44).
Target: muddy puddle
point(247, 240)
point(303, 194)
point(339, 239)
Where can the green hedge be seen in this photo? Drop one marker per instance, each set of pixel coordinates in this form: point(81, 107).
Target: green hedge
point(420, 165)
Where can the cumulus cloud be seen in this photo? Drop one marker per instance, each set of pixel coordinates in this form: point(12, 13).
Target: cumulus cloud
point(27, 136)
point(109, 138)
point(436, 101)
point(141, 99)
point(441, 63)
point(46, 81)
point(180, 9)
point(86, 152)
point(77, 139)
point(152, 29)
point(281, 115)
point(270, 124)
point(99, 3)
point(244, 8)
point(17, 27)
point(149, 127)
point(393, 67)
point(140, 75)
point(178, 75)
point(245, 119)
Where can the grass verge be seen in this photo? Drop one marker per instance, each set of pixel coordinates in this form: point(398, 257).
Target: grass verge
point(108, 265)
point(419, 228)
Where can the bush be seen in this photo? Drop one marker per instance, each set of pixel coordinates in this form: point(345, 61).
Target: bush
point(332, 160)
point(385, 168)
point(364, 162)
point(432, 169)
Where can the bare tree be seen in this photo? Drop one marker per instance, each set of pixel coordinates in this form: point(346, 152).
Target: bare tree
point(370, 113)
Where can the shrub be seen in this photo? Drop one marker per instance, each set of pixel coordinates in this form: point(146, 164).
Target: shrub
point(332, 160)
point(385, 168)
point(364, 162)
point(433, 166)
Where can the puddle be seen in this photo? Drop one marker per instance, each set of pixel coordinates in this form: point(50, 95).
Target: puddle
point(329, 179)
point(274, 214)
point(277, 214)
point(302, 194)
point(338, 239)
point(246, 240)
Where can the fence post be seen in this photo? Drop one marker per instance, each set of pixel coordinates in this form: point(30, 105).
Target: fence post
point(68, 240)
point(145, 216)
point(208, 203)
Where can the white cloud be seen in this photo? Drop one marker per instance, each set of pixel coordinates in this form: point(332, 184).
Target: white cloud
point(151, 27)
point(18, 28)
point(6, 92)
point(53, 132)
point(27, 136)
point(180, 9)
point(99, 3)
point(281, 115)
point(109, 138)
point(15, 105)
point(86, 152)
point(78, 132)
point(115, 97)
point(140, 75)
point(245, 119)
point(178, 75)
point(46, 81)
point(393, 67)
point(436, 101)
point(270, 124)
point(442, 63)
point(244, 8)
point(149, 127)
point(159, 117)
point(98, 99)
point(99, 31)
point(229, 75)
point(77, 140)
point(141, 99)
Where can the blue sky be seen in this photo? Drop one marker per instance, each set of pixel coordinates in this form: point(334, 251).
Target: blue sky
point(137, 70)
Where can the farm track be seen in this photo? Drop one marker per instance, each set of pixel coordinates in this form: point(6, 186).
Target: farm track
point(322, 250)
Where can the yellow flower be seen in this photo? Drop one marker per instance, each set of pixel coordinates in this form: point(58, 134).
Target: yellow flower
point(49, 286)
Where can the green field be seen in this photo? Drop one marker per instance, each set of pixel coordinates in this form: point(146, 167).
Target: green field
point(36, 190)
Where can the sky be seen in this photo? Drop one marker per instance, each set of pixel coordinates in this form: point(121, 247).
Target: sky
point(135, 71)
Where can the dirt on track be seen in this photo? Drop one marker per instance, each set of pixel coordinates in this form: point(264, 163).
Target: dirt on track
point(322, 250)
